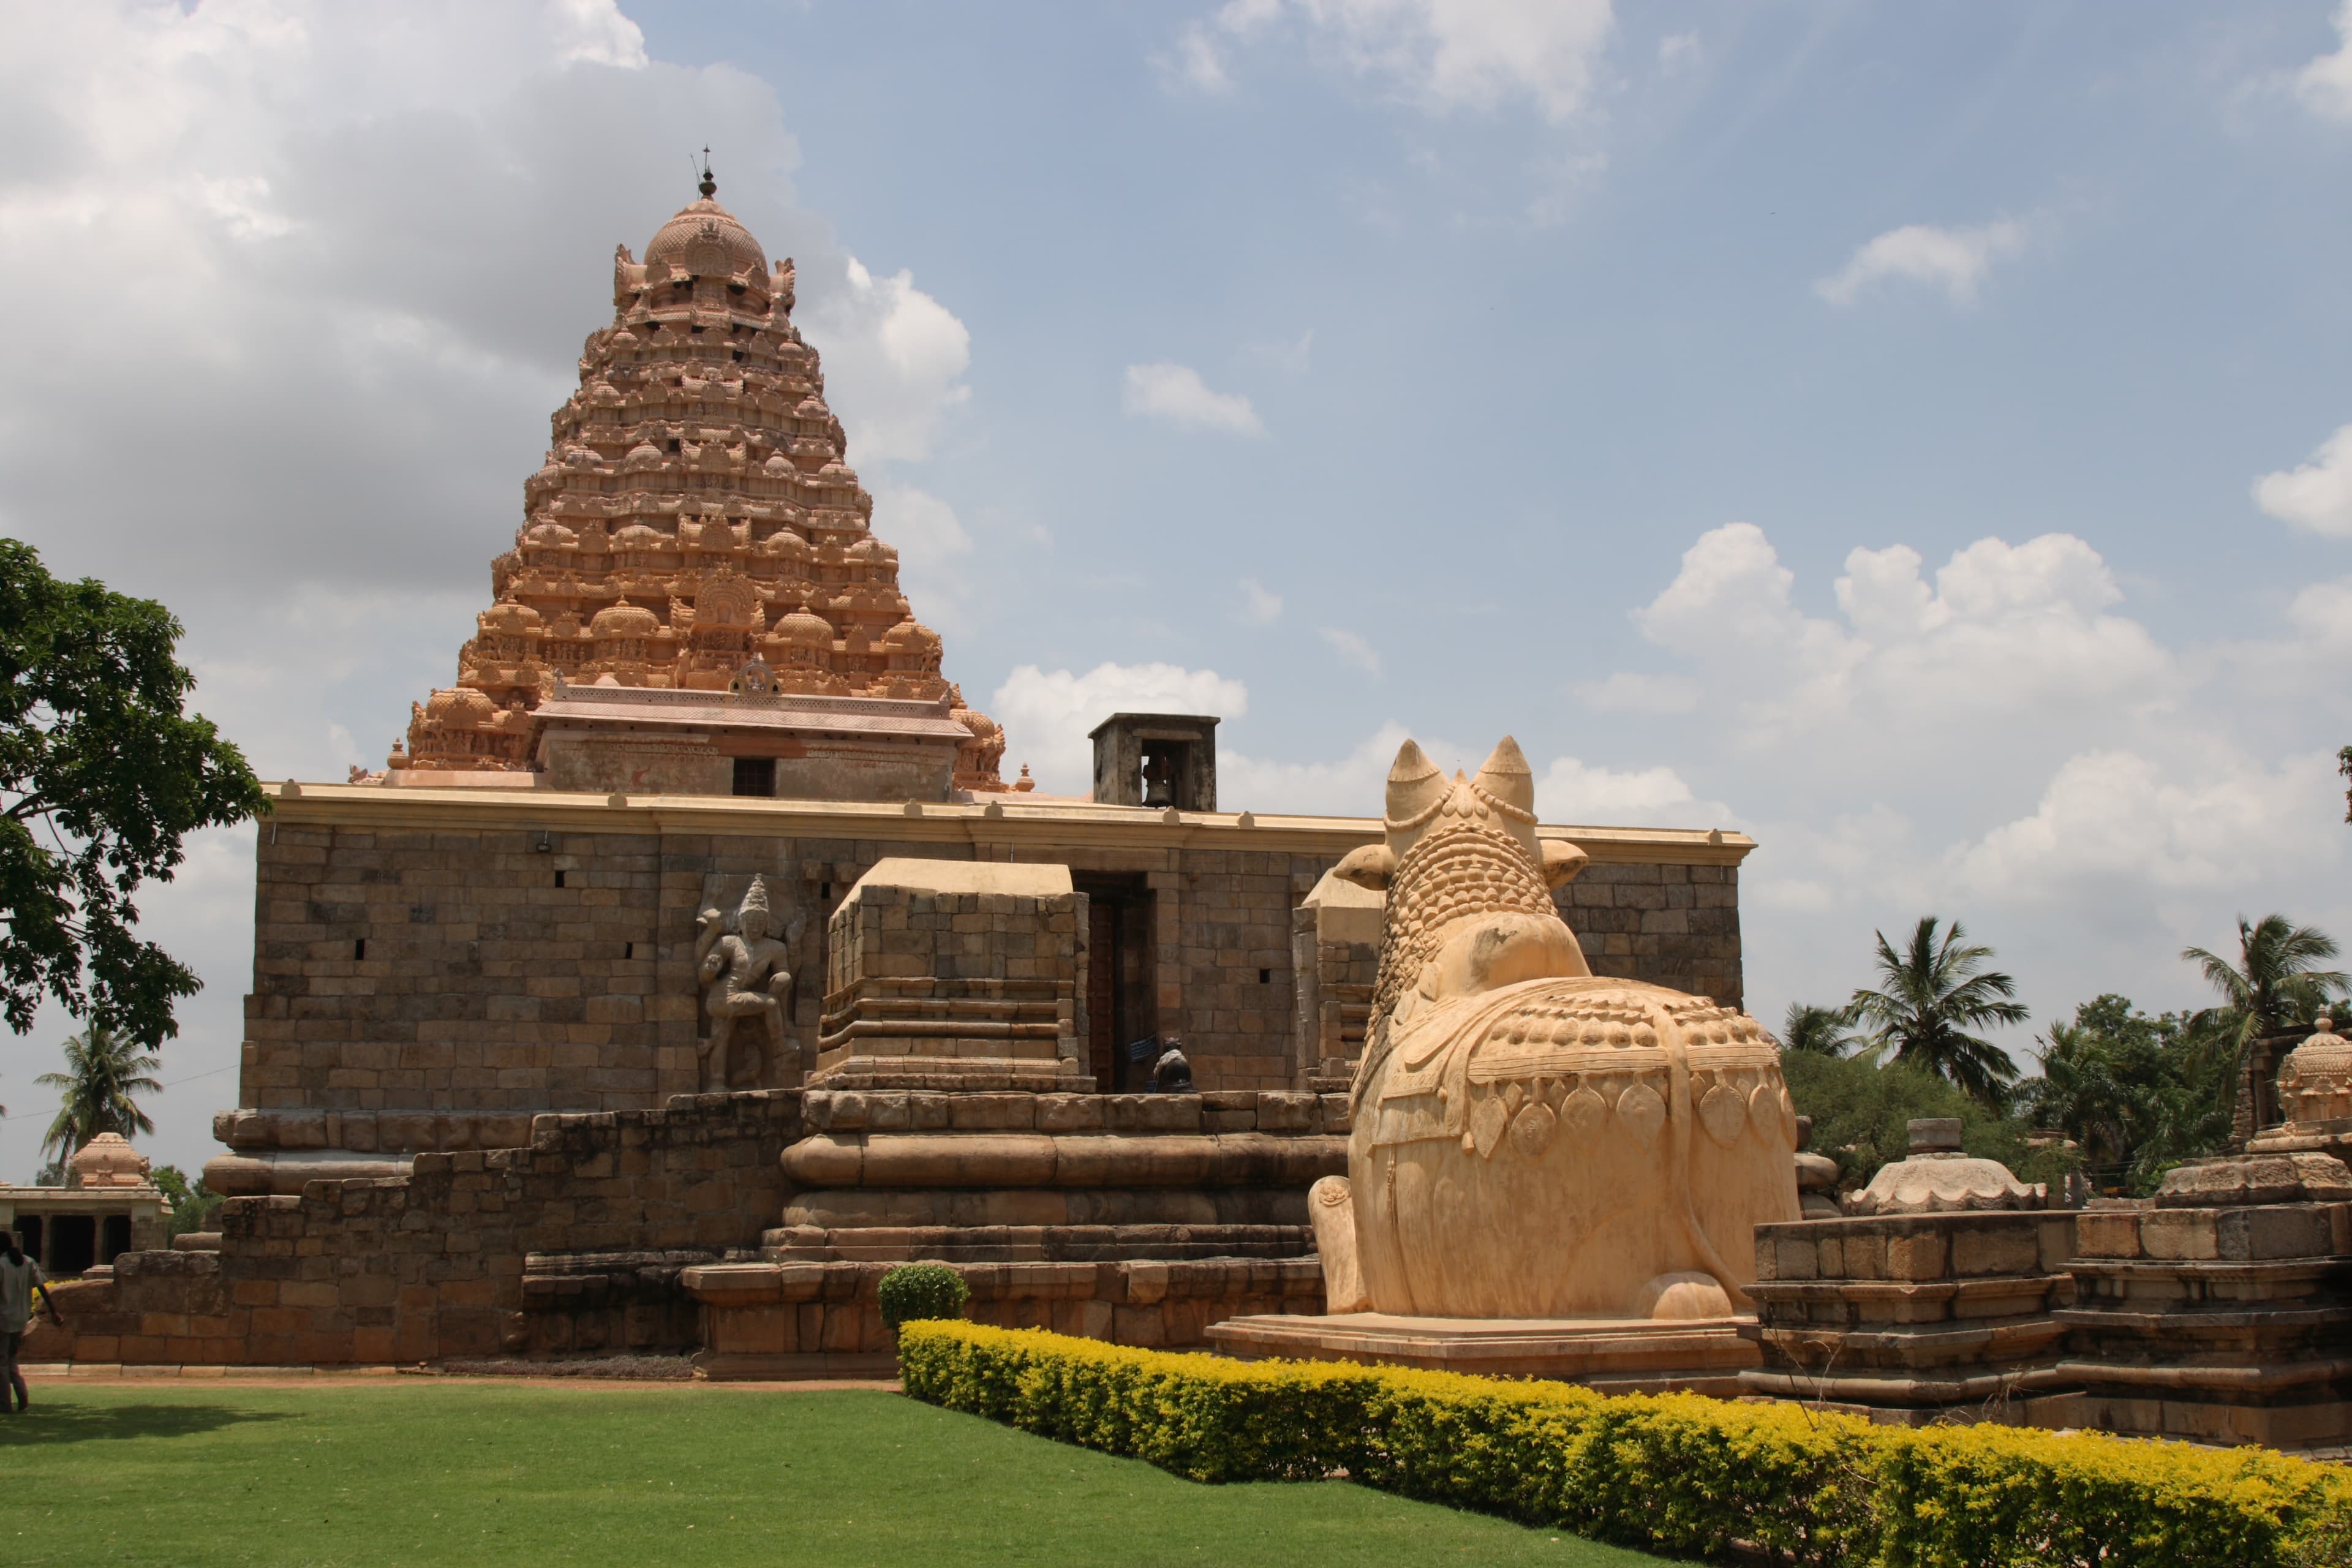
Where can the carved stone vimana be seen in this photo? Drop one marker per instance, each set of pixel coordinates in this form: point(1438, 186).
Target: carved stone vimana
point(695, 512)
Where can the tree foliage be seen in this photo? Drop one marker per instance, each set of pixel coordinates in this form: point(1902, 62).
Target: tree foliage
point(2274, 983)
point(1929, 997)
point(102, 774)
point(1862, 1113)
point(193, 1203)
point(2138, 1094)
point(1819, 1031)
point(104, 1074)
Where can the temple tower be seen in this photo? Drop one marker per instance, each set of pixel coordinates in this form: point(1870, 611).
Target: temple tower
point(697, 529)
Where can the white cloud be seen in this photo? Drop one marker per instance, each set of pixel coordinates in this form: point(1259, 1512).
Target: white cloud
point(1176, 392)
point(1571, 791)
point(1441, 53)
point(2316, 496)
point(2118, 820)
point(919, 525)
point(1351, 786)
point(1046, 714)
point(598, 34)
point(1627, 692)
point(1999, 739)
point(2005, 630)
point(1676, 50)
point(1474, 54)
point(1353, 648)
point(894, 358)
point(2325, 84)
point(1258, 606)
point(1953, 260)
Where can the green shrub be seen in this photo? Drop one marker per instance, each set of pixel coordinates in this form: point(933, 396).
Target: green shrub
point(1674, 1473)
point(915, 1292)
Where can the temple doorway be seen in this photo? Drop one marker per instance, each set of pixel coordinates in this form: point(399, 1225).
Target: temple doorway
point(73, 1243)
point(1119, 995)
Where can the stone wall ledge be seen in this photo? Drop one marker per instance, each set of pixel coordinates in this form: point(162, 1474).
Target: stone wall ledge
point(1126, 1283)
point(1016, 1159)
point(1929, 1344)
point(1282, 1113)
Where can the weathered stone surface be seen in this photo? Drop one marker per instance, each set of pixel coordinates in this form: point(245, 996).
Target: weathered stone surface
point(2256, 1179)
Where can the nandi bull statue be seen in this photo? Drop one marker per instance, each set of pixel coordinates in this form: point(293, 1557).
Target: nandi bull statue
point(1532, 1140)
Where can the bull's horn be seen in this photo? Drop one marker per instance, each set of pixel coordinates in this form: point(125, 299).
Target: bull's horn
point(1416, 783)
point(1507, 778)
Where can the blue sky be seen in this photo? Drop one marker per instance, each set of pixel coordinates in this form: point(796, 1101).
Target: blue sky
point(1901, 431)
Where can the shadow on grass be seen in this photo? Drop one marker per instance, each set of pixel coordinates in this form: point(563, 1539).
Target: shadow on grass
point(58, 1421)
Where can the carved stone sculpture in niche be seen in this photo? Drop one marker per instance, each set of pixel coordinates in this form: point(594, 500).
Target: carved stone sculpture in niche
point(746, 974)
point(1530, 1141)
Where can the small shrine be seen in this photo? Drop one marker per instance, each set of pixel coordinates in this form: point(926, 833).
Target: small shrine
point(109, 1205)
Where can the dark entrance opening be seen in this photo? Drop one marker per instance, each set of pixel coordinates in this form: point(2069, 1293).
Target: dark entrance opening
point(1119, 970)
point(29, 1236)
point(73, 1243)
point(756, 776)
point(113, 1237)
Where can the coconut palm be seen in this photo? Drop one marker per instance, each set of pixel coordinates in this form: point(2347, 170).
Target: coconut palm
point(2275, 983)
point(103, 1072)
point(1821, 1031)
point(1930, 995)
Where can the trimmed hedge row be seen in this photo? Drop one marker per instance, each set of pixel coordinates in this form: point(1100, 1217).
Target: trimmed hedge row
point(1676, 1473)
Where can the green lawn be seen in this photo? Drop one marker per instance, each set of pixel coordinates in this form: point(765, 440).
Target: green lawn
point(415, 1472)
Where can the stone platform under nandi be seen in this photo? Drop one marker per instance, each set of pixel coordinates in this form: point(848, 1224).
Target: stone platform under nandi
point(1614, 1355)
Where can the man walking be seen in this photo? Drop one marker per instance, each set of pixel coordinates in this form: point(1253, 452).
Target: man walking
point(19, 1278)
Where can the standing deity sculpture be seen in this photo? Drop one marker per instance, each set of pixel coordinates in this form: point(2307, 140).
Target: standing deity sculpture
point(745, 975)
point(1531, 1140)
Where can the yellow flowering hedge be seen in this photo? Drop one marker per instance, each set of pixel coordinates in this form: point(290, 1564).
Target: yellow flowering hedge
point(1674, 1473)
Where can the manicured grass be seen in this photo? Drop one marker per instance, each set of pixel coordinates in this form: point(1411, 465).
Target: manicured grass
point(415, 1472)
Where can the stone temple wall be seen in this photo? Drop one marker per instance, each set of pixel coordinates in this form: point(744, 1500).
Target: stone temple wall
point(574, 1246)
point(432, 967)
point(459, 1258)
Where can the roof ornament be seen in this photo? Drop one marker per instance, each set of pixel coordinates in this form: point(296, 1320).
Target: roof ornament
point(709, 188)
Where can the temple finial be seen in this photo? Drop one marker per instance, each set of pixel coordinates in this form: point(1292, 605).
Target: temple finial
point(709, 188)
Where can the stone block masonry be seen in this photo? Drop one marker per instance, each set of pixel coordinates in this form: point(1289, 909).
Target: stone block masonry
point(467, 1256)
point(433, 966)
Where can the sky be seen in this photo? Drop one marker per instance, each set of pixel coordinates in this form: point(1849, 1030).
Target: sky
point(1918, 436)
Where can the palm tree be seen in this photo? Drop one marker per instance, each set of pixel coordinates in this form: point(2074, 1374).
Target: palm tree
point(103, 1071)
point(2275, 983)
point(1930, 995)
point(1821, 1031)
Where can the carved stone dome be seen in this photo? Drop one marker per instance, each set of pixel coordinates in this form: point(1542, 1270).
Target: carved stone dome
point(805, 628)
point(624, 620)
point(109, 1160)
point(705, 239)
point(460, 707)
point(512, 619)
point(910, 634)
